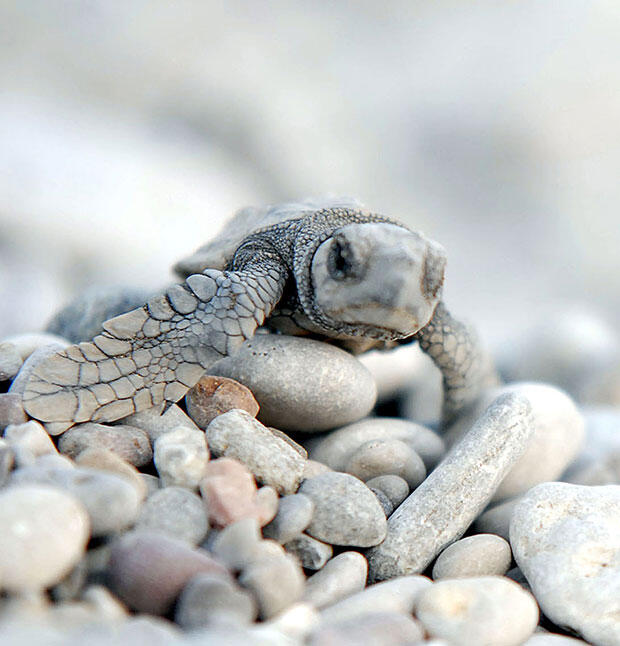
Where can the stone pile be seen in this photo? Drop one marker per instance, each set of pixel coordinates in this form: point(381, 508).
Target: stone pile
point(268, 507)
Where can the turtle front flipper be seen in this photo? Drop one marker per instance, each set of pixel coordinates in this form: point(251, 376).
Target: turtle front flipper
point(465, 367)
point(154, 353)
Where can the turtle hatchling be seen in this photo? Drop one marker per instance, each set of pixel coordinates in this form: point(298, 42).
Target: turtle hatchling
point(333, 270)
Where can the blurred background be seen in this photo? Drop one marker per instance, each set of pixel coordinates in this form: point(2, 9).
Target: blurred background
point(130, 130)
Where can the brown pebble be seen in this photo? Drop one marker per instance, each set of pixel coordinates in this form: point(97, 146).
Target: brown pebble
point(212, 396)
point(148, 570)
point(11, 410)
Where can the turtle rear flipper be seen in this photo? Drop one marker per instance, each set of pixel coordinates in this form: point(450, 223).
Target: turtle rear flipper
point(154, 353)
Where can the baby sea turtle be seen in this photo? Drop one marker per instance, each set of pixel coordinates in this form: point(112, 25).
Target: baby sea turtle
point(333, 270)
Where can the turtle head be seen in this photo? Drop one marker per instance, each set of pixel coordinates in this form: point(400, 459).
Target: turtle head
point(376, 279)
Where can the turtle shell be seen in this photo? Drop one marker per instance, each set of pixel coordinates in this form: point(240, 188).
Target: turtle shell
point(218, 252)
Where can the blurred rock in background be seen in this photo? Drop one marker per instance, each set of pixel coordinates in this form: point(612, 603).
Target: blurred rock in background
point(129, 131)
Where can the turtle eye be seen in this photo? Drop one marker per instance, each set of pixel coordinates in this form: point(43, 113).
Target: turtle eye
point(342, 262)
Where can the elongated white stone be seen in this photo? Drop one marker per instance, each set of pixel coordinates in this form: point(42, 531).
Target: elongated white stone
point(440, 510)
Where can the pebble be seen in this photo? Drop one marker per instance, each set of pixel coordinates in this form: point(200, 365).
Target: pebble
point(312, 468)
point(111, 501)
point(128, 442)
point(28, 343)
point(7, 459)
point(105, 460)
point(384, 501)
point(346, 512)
point(11, 410)
point(230, 493)
point(272, 460)
point(181, 457)
point(564, 347)
point(377, 628)
point(446, 503)
point(148, 570)
point(208, 600)
point(335, 448)
point(267, 504)
point(10, 361)
point(176, 512)
point(28, 441)
point(213, 396)
point(394, 370)
point(237, 544)
point(293, 516)
point(558, 435)
point(566, 540)
point(478, 610)
point(276, 583)
point(496, 519)
point(44, 534)
point(396, 595)
point(296, 622)
point(478, 555)
point(386, 457)
point(340, 577)
point(155, 424)
point(83, 318)
point(394, 488)
point(598, 461)
point(301, 384)
point(152, 483)
point(312, 554)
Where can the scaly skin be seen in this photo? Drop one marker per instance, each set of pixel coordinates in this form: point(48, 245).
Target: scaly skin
point(336, 272)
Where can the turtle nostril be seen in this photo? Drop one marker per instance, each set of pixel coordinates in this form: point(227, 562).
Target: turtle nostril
point(433, 274)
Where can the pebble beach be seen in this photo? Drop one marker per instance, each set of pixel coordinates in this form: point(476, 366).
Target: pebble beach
point(276, 504)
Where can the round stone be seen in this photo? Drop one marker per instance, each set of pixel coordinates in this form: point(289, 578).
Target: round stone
point(176, 512)
point(394, 487)
point(478, 610)
point(558, 435)
point(154, 424)
point(44, 534)
point(385, 628)
point(148, 570)
point(271, 459)
point(276, 582)
point(340, 577)
point(213, 396)
point(111, 501)
point(397, 595)
point(346, 512)
point(128, 442)
point(335, 448)
point(105, 460)
point(181, 457)
point(11, 410)
point(386, 457)
point(209, 600)
point(566, 540)
point(478, 555)
point(496, 519)
point(301, 384)
point(312, 554)
point(10, 361)
point(293, 516)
